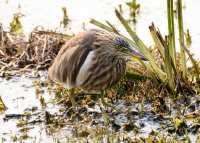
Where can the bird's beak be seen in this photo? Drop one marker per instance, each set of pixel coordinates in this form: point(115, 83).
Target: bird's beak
point(136, 54)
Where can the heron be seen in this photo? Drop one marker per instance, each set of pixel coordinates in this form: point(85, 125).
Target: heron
point(93, 60)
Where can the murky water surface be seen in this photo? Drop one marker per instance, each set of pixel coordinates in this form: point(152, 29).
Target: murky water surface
point(19, 94)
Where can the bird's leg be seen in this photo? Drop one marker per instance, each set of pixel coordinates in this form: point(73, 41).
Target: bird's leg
point(103, 93)
point(71, 97)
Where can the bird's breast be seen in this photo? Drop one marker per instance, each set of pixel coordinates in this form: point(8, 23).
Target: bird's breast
point(103, 71)
point(84, 70)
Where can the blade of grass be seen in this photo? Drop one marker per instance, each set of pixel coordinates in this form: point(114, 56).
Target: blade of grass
point(110, 29)
point(168, 65)
point(101, 25)
point(171, 33)
point(162, 46)
point(113, 27)
point(194, 63)
point(181, 39)
point(155, 34)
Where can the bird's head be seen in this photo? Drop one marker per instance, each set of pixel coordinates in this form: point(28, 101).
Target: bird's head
point(124, 47)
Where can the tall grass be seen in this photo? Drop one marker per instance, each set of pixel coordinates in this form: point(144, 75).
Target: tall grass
point(172, 70)
point(171, 33)
point(181, 39)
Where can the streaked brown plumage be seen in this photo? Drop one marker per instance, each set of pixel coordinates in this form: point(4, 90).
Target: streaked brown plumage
point(90, 60)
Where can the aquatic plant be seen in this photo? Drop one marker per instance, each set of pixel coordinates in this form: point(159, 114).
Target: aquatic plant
point(188, 38)
point(168, 68)
point(134, 8)
point(65, 20)
point(16, 25)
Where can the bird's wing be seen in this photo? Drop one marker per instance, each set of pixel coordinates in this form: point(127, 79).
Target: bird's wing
point(70, 58)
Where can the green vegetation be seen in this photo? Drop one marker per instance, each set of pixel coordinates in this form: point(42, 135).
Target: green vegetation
point(168, 68)
point(65, 21)
point(134, 9)
point(188, 38)
point(16, 25)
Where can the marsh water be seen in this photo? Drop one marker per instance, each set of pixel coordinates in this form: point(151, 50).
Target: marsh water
point(18, 93)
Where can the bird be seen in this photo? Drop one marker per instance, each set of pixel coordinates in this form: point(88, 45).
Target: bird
point(93, 60)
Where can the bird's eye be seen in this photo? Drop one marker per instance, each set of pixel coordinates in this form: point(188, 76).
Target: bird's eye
point(121, 48)
point(118, 46)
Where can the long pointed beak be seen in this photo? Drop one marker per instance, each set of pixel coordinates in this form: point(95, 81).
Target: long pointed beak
point(137, 54)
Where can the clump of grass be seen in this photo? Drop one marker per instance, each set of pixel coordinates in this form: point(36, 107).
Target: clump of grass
point(171, 71)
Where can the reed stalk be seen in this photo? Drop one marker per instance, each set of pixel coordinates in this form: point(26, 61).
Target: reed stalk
point(181, 39)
